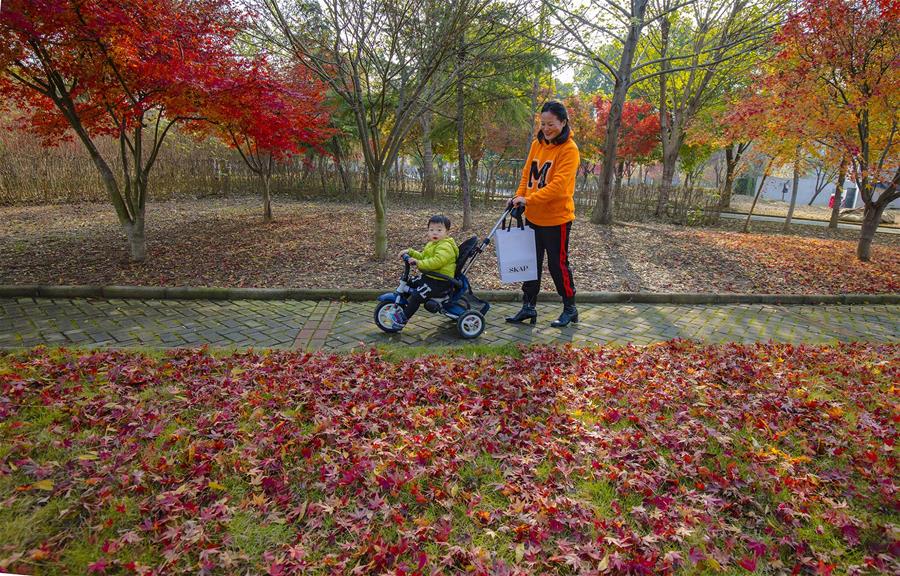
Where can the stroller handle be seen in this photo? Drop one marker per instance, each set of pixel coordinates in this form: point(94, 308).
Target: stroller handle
point(514, 211)
point(406, 267)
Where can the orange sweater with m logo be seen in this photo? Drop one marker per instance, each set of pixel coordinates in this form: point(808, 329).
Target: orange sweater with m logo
point(548, 182)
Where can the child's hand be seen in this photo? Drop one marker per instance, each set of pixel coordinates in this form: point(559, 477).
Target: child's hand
point(403, 252)
point(413, 262)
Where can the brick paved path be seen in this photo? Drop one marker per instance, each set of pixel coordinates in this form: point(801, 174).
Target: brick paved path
point(311, 325)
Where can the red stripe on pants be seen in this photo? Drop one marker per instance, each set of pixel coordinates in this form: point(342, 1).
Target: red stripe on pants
point(563, 257)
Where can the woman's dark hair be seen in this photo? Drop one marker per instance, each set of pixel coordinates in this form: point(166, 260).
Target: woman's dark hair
point(557, 109)
point(440, 219)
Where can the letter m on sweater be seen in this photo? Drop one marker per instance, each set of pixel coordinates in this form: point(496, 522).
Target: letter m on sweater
point(539, 175)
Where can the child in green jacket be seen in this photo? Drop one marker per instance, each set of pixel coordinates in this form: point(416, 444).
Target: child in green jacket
point(439, 255)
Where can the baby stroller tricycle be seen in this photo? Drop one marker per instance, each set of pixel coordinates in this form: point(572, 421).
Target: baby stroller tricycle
point(460, 304)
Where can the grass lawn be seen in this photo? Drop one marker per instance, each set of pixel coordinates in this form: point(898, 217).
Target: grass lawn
point(674, 458)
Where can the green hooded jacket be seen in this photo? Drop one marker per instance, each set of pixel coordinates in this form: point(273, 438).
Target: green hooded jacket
point(439, 256)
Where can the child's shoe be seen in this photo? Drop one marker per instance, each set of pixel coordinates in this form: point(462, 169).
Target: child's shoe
point(398, 319)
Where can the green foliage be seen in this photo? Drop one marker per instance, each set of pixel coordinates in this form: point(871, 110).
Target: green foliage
point(692, 159)
point(592, 79)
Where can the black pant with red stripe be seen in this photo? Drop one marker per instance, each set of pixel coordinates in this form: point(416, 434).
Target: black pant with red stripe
point(554, 240)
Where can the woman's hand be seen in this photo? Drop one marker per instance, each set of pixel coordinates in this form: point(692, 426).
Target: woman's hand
point(516, 201)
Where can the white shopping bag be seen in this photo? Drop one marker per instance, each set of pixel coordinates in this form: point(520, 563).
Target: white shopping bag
point(516, 254)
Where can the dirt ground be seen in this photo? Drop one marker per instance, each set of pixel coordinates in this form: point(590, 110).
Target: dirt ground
point(223, 242)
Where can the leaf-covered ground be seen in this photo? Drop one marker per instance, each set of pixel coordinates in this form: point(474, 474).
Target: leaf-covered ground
point(222, 242)
point(675, 458)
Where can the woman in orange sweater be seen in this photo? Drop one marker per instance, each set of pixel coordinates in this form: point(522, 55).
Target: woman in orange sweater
point(547, 191)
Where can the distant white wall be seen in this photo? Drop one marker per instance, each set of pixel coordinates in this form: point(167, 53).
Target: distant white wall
point(774, 186)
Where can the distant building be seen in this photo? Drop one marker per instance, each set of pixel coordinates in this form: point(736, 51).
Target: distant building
point(780, 189)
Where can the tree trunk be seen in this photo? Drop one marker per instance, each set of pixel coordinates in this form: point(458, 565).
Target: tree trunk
point(428, 188)
point(755, 198)
point(306, 171)
point(583, 187)
point(377, 185)
point(872, 215)
point(402, 175)
point(473, 180)
point(815, 195)
point(323, 181)
point(440, 176)
point(339, 164)
point(670, 163)
point(489, 183)
point(669, 129)
point(535, 90)
point(620, 170)
point(267, 198)
point(728, 188)
point(794, 185)
point(821, 183)
point(395, 178)
point(137, 243)
point(871, 219)
point(365, 183)
point(461, 137)
point(838, 194)
point(129, 212)
point(603, 210)
point(132, 221)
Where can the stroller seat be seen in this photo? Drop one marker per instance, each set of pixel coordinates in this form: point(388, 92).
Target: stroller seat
point(461, 298)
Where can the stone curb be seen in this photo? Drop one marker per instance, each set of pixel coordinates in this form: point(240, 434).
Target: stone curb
point(364, 295)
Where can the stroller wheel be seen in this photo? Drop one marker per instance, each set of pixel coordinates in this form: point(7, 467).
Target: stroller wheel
point(384, 316)
point(470, 324)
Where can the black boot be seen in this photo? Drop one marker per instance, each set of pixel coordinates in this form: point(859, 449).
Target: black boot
point(569, 314)
point(527, 312)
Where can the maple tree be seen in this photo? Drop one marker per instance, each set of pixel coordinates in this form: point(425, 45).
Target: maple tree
point(268, 116)
point(845, 54)
point(774, 117)
point(638, 133)
point(130, 69)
